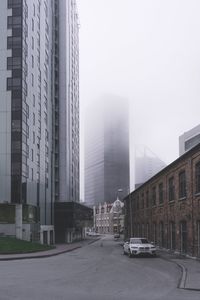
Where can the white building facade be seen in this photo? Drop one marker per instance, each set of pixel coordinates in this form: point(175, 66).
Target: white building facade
point(189, 139)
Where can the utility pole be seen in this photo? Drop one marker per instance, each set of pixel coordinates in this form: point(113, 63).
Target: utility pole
point(131, 216)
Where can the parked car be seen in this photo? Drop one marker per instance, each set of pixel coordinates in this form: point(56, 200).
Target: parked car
point(116, 235)
point(139, 246)
point(92, 233)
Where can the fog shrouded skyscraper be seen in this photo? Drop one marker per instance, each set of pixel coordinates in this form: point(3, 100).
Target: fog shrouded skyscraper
point(39, 111)
point(106, 150)
point(147, 164)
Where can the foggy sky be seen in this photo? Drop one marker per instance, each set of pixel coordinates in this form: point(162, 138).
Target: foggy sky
point(149, 52)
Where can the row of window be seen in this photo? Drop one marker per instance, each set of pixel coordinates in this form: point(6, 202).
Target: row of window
point(157, 195)
point(165, 235)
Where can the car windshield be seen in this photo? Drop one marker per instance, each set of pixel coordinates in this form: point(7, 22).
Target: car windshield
point(139, 241)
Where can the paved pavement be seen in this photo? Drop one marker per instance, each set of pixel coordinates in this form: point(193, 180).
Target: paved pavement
point(190, 269)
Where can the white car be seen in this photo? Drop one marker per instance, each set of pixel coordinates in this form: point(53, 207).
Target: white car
point(139, 246)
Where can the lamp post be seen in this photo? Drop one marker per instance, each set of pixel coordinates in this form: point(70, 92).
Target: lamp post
point(130, 208)
point(118, 213)
point(118, 191)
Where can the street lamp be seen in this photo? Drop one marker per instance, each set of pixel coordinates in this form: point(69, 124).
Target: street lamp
point(130, 209)
point(118, 191)
point(118, 212)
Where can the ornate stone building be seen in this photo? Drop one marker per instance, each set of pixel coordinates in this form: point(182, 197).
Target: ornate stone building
point(109, 217)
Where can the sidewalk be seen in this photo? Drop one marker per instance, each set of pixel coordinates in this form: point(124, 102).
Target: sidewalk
point(190, 268)
point(60, 248)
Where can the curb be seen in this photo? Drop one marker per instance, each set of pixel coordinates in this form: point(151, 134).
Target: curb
point(182, 280)
point(39, 256)
point(46, 255)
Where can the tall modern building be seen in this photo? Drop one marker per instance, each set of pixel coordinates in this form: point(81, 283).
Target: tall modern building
point(106, 150)
point(39, 112)
point(189, 139)
point(147, 164)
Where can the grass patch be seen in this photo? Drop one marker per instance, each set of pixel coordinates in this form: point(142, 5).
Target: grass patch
point(9, 245)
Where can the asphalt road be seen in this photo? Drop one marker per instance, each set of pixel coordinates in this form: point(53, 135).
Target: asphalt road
point(94, 272)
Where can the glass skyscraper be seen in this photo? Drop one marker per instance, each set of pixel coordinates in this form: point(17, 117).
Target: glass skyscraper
point(39, 111)
point(107, 150)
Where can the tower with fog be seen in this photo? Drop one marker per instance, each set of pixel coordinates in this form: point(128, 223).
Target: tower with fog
point(106, 150)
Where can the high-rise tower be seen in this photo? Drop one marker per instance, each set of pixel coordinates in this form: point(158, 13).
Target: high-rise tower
point(39, 111)
point(107, 150)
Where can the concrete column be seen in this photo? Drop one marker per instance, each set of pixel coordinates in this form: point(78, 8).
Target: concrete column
point(18, 221)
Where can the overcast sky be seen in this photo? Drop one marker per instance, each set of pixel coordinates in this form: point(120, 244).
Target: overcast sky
point(149, 52)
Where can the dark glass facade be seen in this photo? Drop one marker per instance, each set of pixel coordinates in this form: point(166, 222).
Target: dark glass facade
point(107, 151)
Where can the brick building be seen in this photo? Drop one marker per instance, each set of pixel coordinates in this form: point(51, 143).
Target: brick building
point(166, 208)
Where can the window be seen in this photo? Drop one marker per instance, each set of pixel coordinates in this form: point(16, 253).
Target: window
point(182, 184)
point(32, 79)
point(137, 203)
point(45, 118)
point(16, 115)
point(17, 11)
point(33, 119)
point(14, 22)
point(154, 196)
point(197, 177)
point(16, 125)
point(16, 104)
point(16, 147)
point(172, 236)
point(147, 231)
point(33, 100)
point(14, 3)
point(32, 154)
point(32, 57)
point(14, 42)
point(198, 238)
point(13, 63)
point(192, 142)
point(32, 45)
point(155, 233)
point(32, 25)
point(160, 193)
point(45, 86)
point(171, 189)
point(142, 201)
point(13, 83)
point(161, 233)
point(183, 236)
point(147, 199)
point(16, 168)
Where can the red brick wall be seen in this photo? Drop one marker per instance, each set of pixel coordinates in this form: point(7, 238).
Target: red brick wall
point(185, 209)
